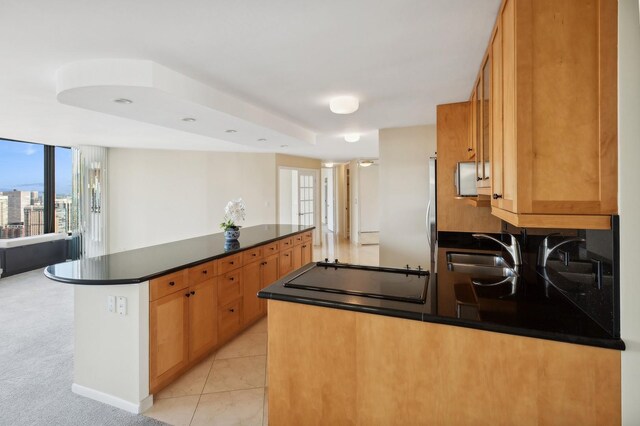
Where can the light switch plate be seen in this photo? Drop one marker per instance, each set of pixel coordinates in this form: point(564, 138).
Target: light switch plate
point(122, 305)
point(111, 304)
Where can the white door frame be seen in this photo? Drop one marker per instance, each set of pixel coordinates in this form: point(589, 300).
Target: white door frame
point(317, 219)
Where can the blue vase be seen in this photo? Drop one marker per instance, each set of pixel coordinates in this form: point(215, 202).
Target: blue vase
point(231, 234)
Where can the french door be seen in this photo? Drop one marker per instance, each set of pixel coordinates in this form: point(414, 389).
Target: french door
point(306, 192)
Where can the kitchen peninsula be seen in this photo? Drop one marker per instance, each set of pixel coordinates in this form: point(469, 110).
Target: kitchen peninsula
point(514, 353)
point(143, 317)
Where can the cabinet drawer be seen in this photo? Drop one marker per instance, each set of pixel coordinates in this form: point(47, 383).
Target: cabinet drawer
point(307, 236)
point(230, 318)
point(297, 239)
point(229, 287)
point(167, 284)
point(271, 248)
point(202, 273)
point(229, 263)
point(252, 255)
point(286, 243)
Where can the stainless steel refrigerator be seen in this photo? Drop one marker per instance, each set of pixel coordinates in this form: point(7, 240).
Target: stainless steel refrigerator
point(432, 229)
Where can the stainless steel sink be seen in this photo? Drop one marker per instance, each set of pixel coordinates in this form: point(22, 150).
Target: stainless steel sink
point(479, 265)
point(574, 267)
point(482, 270)
point(477, 259)
point(588, 279)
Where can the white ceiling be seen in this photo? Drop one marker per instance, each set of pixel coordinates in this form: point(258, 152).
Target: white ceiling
point(287, 57)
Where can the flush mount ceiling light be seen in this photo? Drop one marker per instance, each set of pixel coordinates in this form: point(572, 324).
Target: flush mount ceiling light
point(366, 163)
point(262, 140)
point(189, 119)
point(328, 164)
point(123, 101)
point(352, 137)
point(344, 105)
point(230, 131)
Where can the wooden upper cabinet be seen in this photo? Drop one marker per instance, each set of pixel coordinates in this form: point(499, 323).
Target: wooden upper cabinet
point(483, 158)
point(554, 115)
point(473, 125)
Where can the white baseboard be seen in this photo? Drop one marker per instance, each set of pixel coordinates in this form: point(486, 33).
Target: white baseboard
point(114, 401)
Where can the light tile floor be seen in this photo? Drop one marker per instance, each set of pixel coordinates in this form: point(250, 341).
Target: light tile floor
point(230, 387)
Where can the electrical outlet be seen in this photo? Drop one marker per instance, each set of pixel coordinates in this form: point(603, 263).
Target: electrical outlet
point(122, 305)
point(111, 304)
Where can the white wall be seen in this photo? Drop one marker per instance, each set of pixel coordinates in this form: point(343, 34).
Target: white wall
point(629, 179)
point(354, 221)
point(286, 199)
point(404, 193)
point(331, 212)
point(369, 204)
point(157, 196)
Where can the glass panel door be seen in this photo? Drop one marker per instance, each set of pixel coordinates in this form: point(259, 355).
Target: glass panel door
point(305, 198)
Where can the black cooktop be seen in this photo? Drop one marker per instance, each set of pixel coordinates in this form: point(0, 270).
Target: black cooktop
point(403, 285)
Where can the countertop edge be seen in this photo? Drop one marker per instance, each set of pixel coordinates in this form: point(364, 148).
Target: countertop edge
point(614, 344)
point(149, 277)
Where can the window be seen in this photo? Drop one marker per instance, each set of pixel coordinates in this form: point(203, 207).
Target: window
point(63, 209)
point(25, 195)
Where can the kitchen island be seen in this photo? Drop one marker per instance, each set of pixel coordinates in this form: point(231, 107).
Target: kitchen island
point(145, 316)
point(467, 355)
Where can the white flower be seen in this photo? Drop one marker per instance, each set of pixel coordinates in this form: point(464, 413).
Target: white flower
point(235, 210)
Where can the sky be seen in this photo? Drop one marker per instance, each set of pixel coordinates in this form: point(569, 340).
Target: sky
point(22, 167)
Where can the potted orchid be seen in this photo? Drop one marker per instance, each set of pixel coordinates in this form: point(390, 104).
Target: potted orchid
point(234, 212)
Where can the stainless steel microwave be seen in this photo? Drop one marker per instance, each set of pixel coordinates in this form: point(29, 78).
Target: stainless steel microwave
point(465, 179)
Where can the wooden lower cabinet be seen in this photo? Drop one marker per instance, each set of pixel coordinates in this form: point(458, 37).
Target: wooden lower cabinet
point(168, 338)
point(252, 280)
point(194, 311)
point(352, 368)
point(203, 329)
point(285, 263)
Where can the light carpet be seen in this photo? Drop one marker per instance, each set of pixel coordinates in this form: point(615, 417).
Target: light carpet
point(36, 358)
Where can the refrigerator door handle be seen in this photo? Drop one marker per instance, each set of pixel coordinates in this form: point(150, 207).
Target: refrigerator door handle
point(428, 224)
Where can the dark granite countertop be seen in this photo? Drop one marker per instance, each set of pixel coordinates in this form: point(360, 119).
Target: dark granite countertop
point(136, 266)
point(536, 309)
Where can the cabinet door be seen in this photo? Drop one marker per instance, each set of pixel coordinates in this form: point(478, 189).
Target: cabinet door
point(269, 276)
point(203, 318)
point(496, 117)
point(297, 256)
point(306, 253)
point(168, 337)
point(285, 263)
point(483, 158)
point(473, 133)
point(251, 280)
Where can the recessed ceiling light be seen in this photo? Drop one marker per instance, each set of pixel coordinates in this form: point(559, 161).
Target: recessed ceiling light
point(366, 163)
point(189, 119)
point(352, 137)
point(262, 140)
point(284, 146)
point(328, 164)
point(230, 131)
point(123, 101)
point(344, 104)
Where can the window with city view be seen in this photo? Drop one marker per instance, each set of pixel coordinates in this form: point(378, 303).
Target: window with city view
point(23, 194)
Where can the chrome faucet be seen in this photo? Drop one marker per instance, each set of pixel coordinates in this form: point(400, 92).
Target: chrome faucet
point(544, 251)
point(513, 249)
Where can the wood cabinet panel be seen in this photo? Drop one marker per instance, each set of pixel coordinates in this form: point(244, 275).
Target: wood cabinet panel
point(230, 286)
point(271, 248)
point(167, 284)
point(297, 256)
point(357, 368)
point(202, 273)
point(230, 319)
point(285, 264)
point(252, 255)
point(306, 253)
point(168, 337)
point(269, 276)
point(297, 239)
point(252, 284)
point(286, 243)
point(203, 318)
point(229, 263)
point(307, 236)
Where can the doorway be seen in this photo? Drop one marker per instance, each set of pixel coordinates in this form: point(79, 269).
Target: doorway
point(298, 195)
